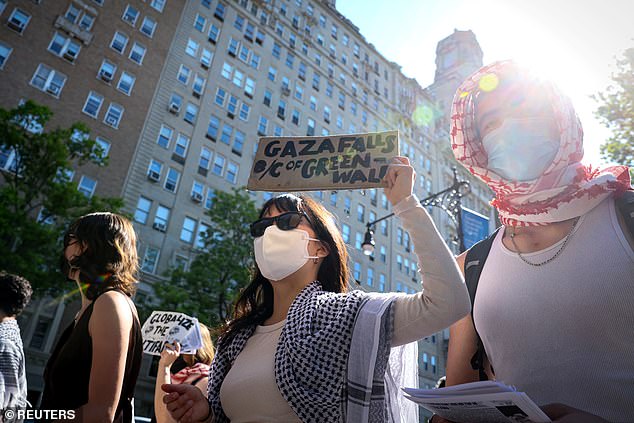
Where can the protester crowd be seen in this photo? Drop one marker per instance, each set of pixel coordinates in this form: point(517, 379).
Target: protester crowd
point(546, 306)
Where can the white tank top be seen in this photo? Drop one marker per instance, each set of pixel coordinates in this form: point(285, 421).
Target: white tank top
point(564, 332)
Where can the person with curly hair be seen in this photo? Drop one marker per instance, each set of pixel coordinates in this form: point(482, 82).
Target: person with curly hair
point(15, 295)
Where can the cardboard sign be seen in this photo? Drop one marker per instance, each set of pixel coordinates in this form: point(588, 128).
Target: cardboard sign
point(168, 326)
point(351, 161)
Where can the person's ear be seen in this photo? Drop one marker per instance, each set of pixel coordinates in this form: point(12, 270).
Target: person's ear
point(322, 250)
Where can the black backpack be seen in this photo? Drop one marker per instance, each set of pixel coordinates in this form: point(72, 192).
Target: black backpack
point(477, 255)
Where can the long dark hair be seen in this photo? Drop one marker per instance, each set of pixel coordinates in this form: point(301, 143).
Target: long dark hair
point(109, 258)
point(255, 303)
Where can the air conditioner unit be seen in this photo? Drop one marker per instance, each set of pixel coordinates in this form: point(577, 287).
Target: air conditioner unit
point(129, 18)
point(197, 197)
point(159, 226)
point(106, 76)
point(174, 108)
point(286, 91)
point(204, 65)
point(111, 120)
point(70, 55)
point(153, 176)
point(53, 89)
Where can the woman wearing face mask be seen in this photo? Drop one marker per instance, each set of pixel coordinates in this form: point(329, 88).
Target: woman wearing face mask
point(94, 366)
point(301, 348)
point(553, 301)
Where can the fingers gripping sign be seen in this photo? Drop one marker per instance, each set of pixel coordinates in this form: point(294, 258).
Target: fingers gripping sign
point(399, 180)
point(186, 403)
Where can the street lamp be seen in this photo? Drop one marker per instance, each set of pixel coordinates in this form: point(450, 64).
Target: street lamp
point(448, 200)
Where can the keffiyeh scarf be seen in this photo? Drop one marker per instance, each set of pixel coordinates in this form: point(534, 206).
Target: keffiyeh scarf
point(566, 189)
point(313, 357)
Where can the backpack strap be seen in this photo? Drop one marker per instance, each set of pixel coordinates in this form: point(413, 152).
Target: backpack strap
point(625, 206)
point(474, 263)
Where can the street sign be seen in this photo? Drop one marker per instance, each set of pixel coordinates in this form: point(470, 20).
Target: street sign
point(475, 227)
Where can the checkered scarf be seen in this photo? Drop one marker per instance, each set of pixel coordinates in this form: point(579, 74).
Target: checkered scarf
point(565, 190)
point(312, 358)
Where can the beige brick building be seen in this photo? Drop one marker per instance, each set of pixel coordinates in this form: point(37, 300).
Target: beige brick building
point(213, 77)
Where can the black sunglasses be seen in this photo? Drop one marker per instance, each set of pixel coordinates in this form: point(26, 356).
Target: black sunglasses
point(285, 221)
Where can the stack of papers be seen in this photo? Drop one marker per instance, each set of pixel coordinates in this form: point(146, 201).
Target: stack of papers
point(478, 402)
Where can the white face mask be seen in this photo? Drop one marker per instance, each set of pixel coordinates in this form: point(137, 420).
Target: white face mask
point(521, 148)
point(281, 253)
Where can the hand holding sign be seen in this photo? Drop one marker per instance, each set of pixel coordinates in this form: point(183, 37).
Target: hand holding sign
point(399, 180)
point(170, 353)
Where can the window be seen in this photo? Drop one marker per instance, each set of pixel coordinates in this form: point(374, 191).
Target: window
point(192, 48)
point(114, 115)
point(171, 181)
point(425, 361)
point(267, 98)
point(295, 117)
point(148, 26)
point(399, 262)
point(232, 172)
point(358, 240)
point(433, 364)
point(158, 5)
point(209, 200)
point(48, 80)
point(214, 33)
point(182, 143)
point(238, 143)
point(278, 131)
point(277, 49)
point(200, 23)
point(107, 71)
point(154, 171)
point(299, 92)
point(198, 86)
point(232, 48)
point(187, 232)
point(221, 94)
point(219, 13)
point(399, 236)
point(310, 130)
point(238, 78)
point(281, 109)
point(18, 20)
point(197, 191)
point(212, 128)
point(290, 60)
point(329, 89)
point(150, 259)
point(87, 186)
point(384, 227)
point(161, 218)
point(165, 136)
point(383, 254)
point(262, 124)
point(101, 148)
point(130, 15)
point(357, 271)
point(227, 70)
point(272, 73)
point(93, 104)
point(244, 53)
point(183, 74)
point(381, 282)
point(126, 83)
point(239, 23)
point(201, 235)
point(327, 114)
point(190, 113)
point(205, 58)
point(142, 210)
point(370, 278)
point(64, 47)
point(219, 165)
point(5, 51)
point(72, 14)
point(249, 87)
point(119, 42)
point(205, 158)
point(227, 131)
point(345, 229)
point(137, 53)
point(313, 103)
point(361, 213)
point(244, 112)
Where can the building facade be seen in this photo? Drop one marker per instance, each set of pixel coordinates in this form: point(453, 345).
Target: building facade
point(181, 90)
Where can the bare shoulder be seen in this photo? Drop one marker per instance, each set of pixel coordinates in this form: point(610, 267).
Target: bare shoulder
point(112, 306)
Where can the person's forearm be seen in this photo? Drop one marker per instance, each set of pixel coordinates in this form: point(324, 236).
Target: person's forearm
point(163, 376)
point(444, 298)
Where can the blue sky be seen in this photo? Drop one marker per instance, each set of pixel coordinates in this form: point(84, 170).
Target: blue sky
point(575, 43)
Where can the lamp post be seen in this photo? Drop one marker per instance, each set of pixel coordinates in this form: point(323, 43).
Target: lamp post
point(449, 200)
